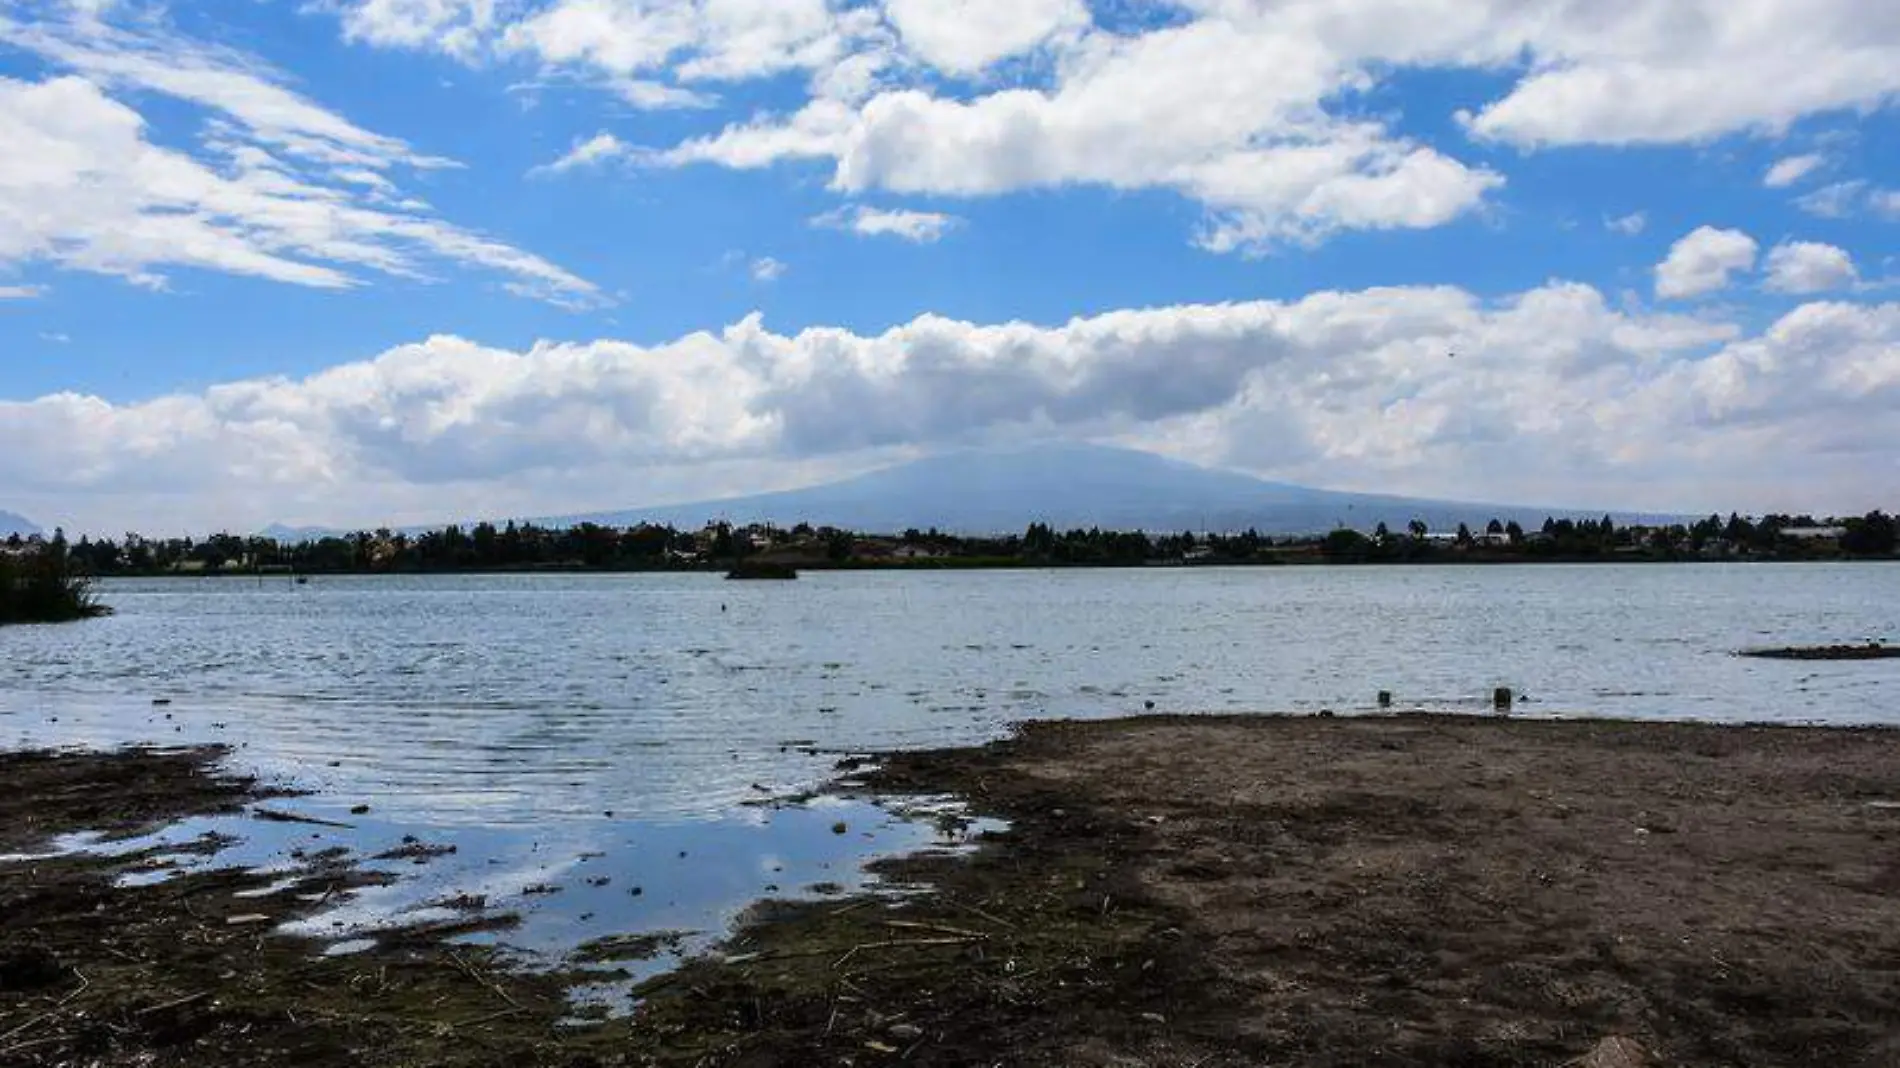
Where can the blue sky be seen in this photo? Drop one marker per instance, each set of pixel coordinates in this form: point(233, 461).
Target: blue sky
point(398, 260)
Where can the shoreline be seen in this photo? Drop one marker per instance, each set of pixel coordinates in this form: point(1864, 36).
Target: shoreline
point(1409, 889)
point(1302, 562)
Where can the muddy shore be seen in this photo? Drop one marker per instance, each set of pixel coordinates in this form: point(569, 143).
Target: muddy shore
point(1200, 891)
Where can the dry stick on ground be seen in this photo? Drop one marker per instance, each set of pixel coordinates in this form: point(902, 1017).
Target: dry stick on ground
point(484, 980)
point(959, 932)
point(175, 1003)
point(490, 1018)
point(271, 815)
point(900, 943)
point(84, 983)
point(997, 920)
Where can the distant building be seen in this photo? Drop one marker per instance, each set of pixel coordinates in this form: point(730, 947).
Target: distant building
point(1814, 533)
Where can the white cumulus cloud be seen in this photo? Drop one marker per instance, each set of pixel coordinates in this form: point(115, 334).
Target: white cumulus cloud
point(1247, 108)
point(1553, 392)
point(968, 36)
point(1704, 262)
point(457, 27)
point(1807, 267)
point(767, 269)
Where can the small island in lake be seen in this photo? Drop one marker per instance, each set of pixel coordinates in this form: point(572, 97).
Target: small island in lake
point(763, 569)
point(1870, 651)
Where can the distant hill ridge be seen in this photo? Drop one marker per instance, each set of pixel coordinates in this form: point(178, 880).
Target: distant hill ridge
point(1069, 486)
point(12, 523)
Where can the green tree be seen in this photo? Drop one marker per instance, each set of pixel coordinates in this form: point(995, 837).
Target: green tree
point(1343, 542)
point(1875, 534)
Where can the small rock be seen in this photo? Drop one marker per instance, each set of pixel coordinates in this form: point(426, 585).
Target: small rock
point(1615, 1052)
point(359, 810)
point(839, 827)
point(1154, 1017)
point(904, 1032)
point(246, 920)
point(161, 701)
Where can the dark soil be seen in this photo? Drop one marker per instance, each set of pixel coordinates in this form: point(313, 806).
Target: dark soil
point(1232, 891)
point(1870, 651)
point(184, 972)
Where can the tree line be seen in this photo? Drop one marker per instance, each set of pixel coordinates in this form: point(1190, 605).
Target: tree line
point(647, 547)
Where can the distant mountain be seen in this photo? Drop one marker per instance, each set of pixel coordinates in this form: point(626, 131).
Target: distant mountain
point(282, 534)
point(1069, 486)
point(12, 523)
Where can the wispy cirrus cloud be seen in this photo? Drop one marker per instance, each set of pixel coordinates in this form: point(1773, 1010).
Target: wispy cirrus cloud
point(1791, 169)
point(917, 227)
point(276, 187)
point(597, 151)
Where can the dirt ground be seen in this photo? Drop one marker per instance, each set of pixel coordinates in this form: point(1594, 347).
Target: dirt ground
point(1403, 891)
point(1170, 891)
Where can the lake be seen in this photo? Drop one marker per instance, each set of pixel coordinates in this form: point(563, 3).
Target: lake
point(511, 715)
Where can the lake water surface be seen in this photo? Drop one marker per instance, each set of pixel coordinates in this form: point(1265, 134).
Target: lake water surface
point(509, 715)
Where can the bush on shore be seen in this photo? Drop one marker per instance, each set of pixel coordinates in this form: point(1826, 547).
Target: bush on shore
point(41, 585)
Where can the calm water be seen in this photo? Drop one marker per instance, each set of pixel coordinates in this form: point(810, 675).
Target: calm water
point(509, 715)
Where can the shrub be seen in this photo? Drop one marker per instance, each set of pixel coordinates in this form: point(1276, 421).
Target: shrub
point(41, 585)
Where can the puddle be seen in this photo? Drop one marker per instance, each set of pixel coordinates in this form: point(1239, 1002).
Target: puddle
point(636, 896)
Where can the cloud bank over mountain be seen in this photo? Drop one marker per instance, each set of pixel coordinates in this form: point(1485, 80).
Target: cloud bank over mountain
point(1427, 391)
